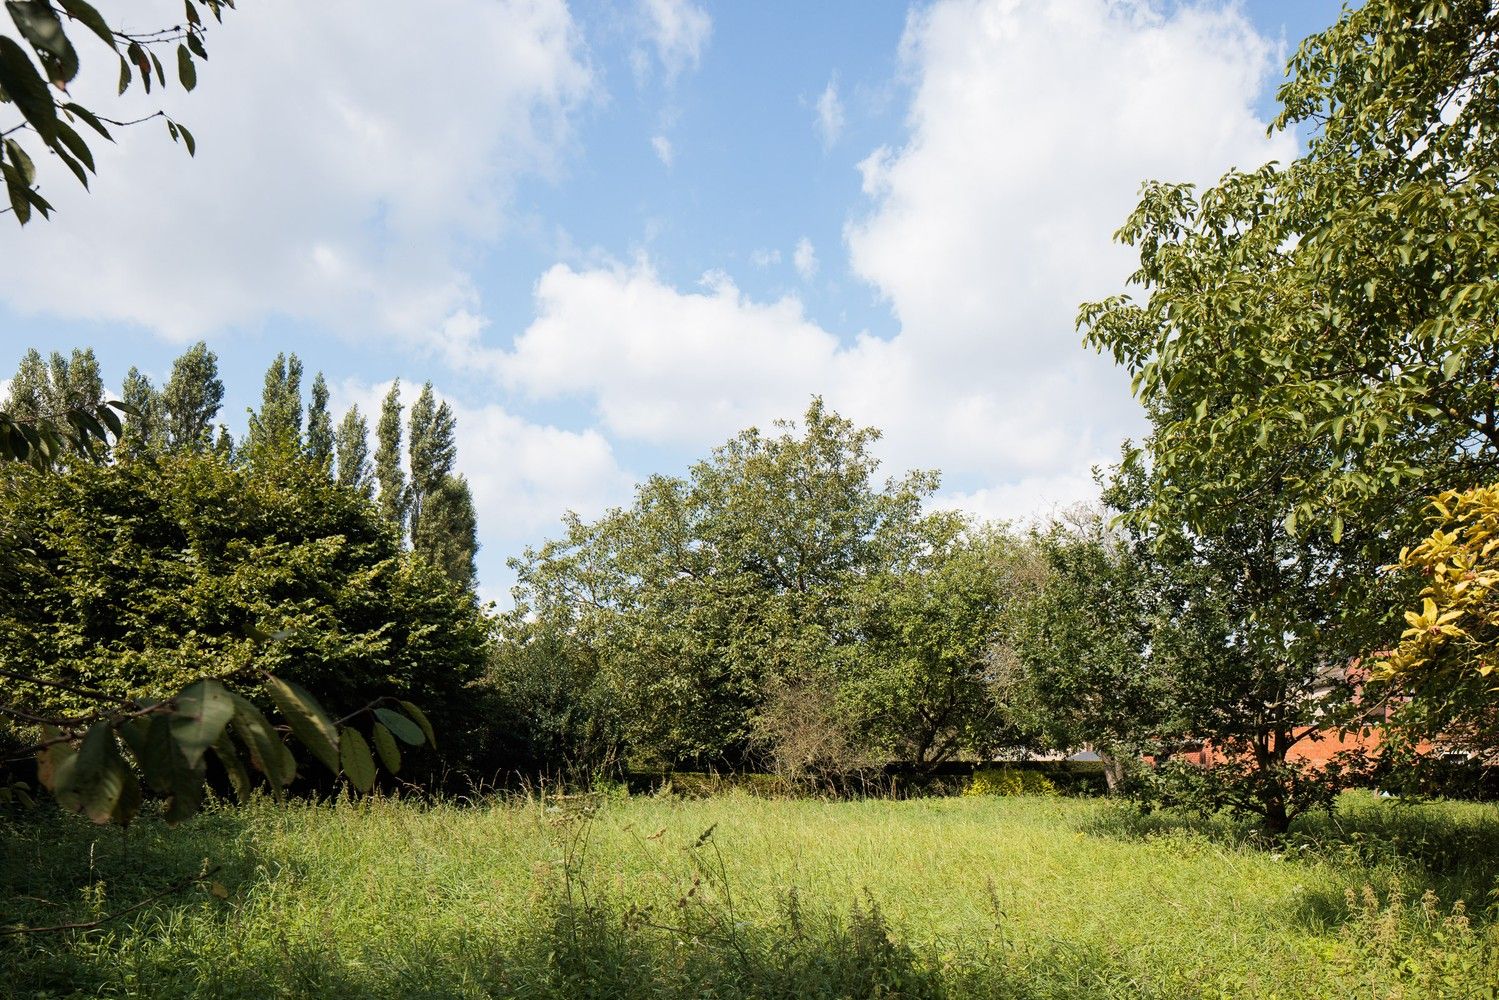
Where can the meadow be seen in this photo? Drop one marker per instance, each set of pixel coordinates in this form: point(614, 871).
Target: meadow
point(738, 896)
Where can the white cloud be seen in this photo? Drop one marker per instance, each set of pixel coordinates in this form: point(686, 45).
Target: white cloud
point(678, 30)
point(664, 151)
point(349, 154)
point(805, 259)
point(829, 121)
point(765, 258)
point(1031, 126)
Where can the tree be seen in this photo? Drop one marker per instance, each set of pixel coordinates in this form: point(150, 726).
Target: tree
point(55, 412)
point(440, 507)
point(277, 427)
point(36, 84)
point(712, 590)
point(191, 399)
point(143, 434)
point(320, 426)
point(388, 472)
point(1235, 636)
point(1084, 641)
point(1345, 304)
point(448, 533)
point(131, 582)
point(1323, 336)
point(352, 443)
point(936, 674)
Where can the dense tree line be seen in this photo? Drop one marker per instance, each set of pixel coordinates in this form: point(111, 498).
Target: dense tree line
point(135, 571)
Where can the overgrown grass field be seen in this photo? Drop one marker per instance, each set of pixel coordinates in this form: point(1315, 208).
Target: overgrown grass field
point(737, 896)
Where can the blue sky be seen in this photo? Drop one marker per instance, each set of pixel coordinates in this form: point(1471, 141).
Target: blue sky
point(613, 234)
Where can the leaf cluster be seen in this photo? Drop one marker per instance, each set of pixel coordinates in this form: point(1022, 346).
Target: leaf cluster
point(39, 62)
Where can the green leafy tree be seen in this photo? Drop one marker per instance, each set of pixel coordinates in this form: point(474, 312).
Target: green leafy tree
point(1084, 642)
point(143, 433)
point(352, 446)
point(39, 58)
point(389, 474)
point(1345, 304)
point(131, 582)
point(711, 590)
point(433, 452)
point(1236, 637)
point(320, 426)
point(55, 412)
point(935, 675)
point(447, 535)
point(277, 427)
point(191, 399)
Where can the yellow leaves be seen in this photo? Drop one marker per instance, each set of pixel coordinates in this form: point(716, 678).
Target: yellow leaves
point(1456, 628)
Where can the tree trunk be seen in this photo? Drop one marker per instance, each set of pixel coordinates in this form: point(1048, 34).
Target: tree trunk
point(1113, 770)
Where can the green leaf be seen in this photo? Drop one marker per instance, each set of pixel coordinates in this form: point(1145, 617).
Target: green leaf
point(39, 25)
point(137, 55)
point(90, 18)
point(309, 722)
point(223, 749)
point(124, 76)
point(385, 746)
point(75, 144)
point(89, 118)
point(403, 727)
point(187, 140)
point(359, 766)
point(17, 188)
point(421, 720)
point(72, 164)
point(99, 773)
point(23, 163)
point(204, 708)
point(268, 754)
point(19, 78)
point(186, 71)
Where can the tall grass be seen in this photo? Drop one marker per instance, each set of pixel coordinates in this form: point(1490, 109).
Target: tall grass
point(746, 897)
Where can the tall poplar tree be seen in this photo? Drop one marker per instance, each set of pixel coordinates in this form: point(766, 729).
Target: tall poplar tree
point(320, 425)
point(352, 441)
point(278, 424)
point(191, 399)
point(433, 452)
point(388, 471)
point(448, 534)
point(30, 389)
point(143, 433)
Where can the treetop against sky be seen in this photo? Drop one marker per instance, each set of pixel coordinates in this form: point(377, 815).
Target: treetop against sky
point(613, 235)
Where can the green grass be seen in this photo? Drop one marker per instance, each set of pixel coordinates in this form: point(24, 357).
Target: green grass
point(985, 897)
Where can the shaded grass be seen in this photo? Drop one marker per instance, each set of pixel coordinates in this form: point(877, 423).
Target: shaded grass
point(1003, 897)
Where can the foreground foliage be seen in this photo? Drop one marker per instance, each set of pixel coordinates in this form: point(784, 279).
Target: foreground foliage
point(742, 897)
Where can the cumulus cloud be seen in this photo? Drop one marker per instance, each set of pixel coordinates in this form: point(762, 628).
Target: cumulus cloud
point(1031, 125)
point(678, 30)
point(330, 185)
point(804, 256)
point(829, 120)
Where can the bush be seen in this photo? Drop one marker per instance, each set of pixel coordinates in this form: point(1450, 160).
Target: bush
point(1009, 781)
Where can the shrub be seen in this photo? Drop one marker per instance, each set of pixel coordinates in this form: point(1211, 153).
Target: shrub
point(1009, 781)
